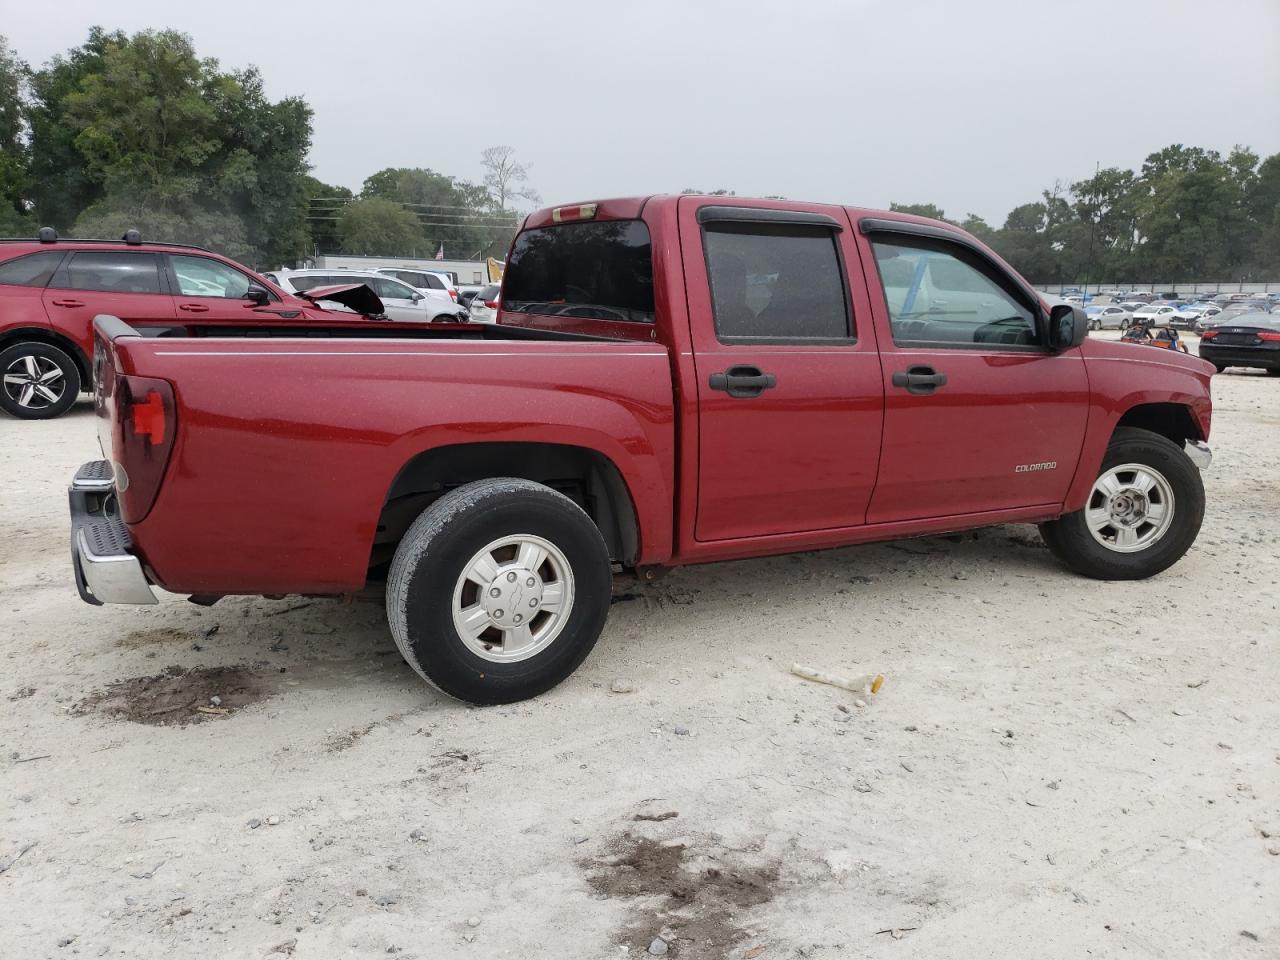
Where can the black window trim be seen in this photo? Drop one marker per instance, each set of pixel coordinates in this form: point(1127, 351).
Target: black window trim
point(62, 276)
point(800, 219)
point(985, 264)
point(62, 259)
point(712, 213)
point(171, 277)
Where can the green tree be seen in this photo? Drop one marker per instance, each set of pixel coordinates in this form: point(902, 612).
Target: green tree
point(375, 225)
point(453, 213)
point(140, 130)
point(325, 204)
point(14, 156)
point(920, 210)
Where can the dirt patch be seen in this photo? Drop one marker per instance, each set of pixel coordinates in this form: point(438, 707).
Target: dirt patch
point(157, 635)
point(177, 696)
point(702, 895)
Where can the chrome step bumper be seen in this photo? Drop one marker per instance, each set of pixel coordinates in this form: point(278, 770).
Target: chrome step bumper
point(105, 569)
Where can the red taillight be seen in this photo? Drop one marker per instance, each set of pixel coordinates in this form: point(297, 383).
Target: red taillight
point(1208, 334)
point(148, 417)
point(454, 293)
point(491, 304)
point(1270, 337)
point(142, 438)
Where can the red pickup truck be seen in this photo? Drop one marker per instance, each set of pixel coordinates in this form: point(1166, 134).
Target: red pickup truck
point(672, 380)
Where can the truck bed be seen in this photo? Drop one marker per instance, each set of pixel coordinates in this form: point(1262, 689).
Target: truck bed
point(293, 447)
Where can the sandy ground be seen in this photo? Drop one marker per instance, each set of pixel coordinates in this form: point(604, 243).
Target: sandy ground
point(1054, 767)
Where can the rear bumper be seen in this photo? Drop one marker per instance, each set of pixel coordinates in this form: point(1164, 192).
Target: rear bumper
point(105, 568)
point(1264, 358)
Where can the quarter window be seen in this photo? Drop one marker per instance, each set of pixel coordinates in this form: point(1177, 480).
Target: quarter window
point(202, 277)
point(33, 270)
point(113, 272)
point(776, 282)
point(937, 297)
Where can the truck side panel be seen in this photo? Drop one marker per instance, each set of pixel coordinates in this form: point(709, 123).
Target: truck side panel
point(286, 448)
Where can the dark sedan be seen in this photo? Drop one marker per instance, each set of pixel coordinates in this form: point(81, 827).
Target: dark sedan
point(1244, 340)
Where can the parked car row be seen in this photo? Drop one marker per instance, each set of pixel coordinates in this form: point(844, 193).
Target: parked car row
point(401, 300)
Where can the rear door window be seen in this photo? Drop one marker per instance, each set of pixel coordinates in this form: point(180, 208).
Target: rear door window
point(600, 270)
point(776, 282)
point(33, 270)
point(111, 272)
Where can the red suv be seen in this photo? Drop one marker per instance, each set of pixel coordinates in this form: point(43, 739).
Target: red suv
point(51, 289)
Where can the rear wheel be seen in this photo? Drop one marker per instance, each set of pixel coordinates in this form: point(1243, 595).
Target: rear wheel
point(1143, 513)
point(499, 590)
point(40, 381)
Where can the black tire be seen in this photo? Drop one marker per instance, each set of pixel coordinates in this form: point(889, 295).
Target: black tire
point(16, 360)
point(1220, 367)
point(1273, 372)
point(432, 557)
point(1069, 539)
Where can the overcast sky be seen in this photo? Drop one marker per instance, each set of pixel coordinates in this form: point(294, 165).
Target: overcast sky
point(976, 105)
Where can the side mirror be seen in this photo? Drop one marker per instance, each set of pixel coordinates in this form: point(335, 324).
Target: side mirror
point(1068, 326)
point(417, 297)
point(257, 294)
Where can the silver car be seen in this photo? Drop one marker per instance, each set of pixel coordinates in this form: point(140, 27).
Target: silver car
point(1108, 316)
point(399, 300)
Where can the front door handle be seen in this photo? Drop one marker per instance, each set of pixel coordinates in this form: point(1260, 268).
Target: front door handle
point(193, 307)
point(920, 380)
point(743, 381)
point(67, 303)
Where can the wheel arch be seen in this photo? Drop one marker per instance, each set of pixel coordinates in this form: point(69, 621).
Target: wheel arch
point(53, 339)
point(586, 476)
point(1174, 421)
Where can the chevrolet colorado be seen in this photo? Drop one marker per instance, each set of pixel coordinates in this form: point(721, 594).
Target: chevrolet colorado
point(671, 380)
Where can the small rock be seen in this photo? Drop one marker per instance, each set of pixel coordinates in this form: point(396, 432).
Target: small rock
point(906, 766)
point(473, 921)
point(580, 838)
point(911, 728)
point(1274, 849)
point(130, 901)
point(216, 701)
point(861, 786)
point(146, 874)
point(842, 708)
point(361, 892)
point(1181, 712)
point(469, 937)
point(1052, 784)
point(386, 899)
point(22, 693)
point(681, 730)
point(622, 685)
point(419, 835)
point(273, 821)
point(658, 948)
point(67, 941)
point(287, 947)
point(859, 702)
point(254, 823)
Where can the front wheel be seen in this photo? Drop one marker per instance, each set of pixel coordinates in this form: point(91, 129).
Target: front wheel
point(40, 381)
point(1143, 513)
point(499, 590)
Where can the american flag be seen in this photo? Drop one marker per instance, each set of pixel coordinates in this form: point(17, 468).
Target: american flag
point(440, 252)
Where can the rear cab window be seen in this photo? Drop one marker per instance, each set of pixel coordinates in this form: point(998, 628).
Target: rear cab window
point(596, 270)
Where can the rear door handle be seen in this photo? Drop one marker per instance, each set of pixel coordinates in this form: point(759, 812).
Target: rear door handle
point(193, 307)
point(67, 303)
point(920, 380)
point(743, 381)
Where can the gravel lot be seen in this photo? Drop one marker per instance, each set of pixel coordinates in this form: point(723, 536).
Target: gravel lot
point(1054, 767)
